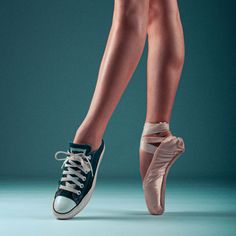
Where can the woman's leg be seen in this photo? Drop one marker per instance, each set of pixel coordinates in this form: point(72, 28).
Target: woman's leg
point(164, 66)
point(124, 48)
point(123, 51)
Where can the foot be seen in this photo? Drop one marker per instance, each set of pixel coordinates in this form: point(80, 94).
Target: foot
point(78, 179)
point(158, 151)
point(154, 183)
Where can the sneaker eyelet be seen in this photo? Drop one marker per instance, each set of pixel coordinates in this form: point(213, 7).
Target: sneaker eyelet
point(79, 192)
point(84, 179)
point(82, 185)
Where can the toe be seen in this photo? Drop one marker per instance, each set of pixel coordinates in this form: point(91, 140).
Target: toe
point(63, 204)
point(156, 210)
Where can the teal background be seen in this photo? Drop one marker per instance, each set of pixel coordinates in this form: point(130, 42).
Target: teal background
point(50, 53)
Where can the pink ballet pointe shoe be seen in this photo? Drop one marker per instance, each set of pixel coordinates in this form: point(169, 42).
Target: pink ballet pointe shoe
point(154, 182)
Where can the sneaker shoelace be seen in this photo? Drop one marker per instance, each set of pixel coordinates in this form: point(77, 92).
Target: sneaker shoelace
point(77, 165)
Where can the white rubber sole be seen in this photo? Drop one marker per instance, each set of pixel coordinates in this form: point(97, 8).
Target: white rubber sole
point(85, 200)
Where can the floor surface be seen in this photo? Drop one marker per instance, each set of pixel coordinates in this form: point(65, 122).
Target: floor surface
point(192, 208)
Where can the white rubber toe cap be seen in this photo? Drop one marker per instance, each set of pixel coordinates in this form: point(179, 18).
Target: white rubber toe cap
point(63, 204)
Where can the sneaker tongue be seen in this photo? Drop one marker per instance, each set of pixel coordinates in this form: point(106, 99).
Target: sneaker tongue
point(78, 148)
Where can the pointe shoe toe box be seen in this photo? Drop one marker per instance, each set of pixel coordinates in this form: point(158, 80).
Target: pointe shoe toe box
point(156, 210)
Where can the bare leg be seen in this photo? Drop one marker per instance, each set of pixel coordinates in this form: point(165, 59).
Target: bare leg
point(123, 51)
point(164, 66)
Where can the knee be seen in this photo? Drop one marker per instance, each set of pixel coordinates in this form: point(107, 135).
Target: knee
point(164, 22)
point(164, 11)
point(131, 15)
point(154, 12)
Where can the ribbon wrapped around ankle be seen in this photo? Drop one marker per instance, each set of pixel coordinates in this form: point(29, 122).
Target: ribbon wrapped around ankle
point(152, 128)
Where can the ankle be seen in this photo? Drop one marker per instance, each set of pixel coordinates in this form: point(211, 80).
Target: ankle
point(87, 135)
point(161, 134)
point(93, 142)
point(153, 134)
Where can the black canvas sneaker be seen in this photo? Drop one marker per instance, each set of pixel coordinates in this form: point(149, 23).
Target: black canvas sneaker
point(78, 179)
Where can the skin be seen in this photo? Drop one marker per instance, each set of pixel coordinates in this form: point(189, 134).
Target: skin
point(164, 65)
point(133, 21)
point(123, 50)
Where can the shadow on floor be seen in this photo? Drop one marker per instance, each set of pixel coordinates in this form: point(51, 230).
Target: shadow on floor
point(144, 216)
point(212, 214)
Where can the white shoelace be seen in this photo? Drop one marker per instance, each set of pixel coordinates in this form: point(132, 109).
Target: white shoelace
point(71, 161)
